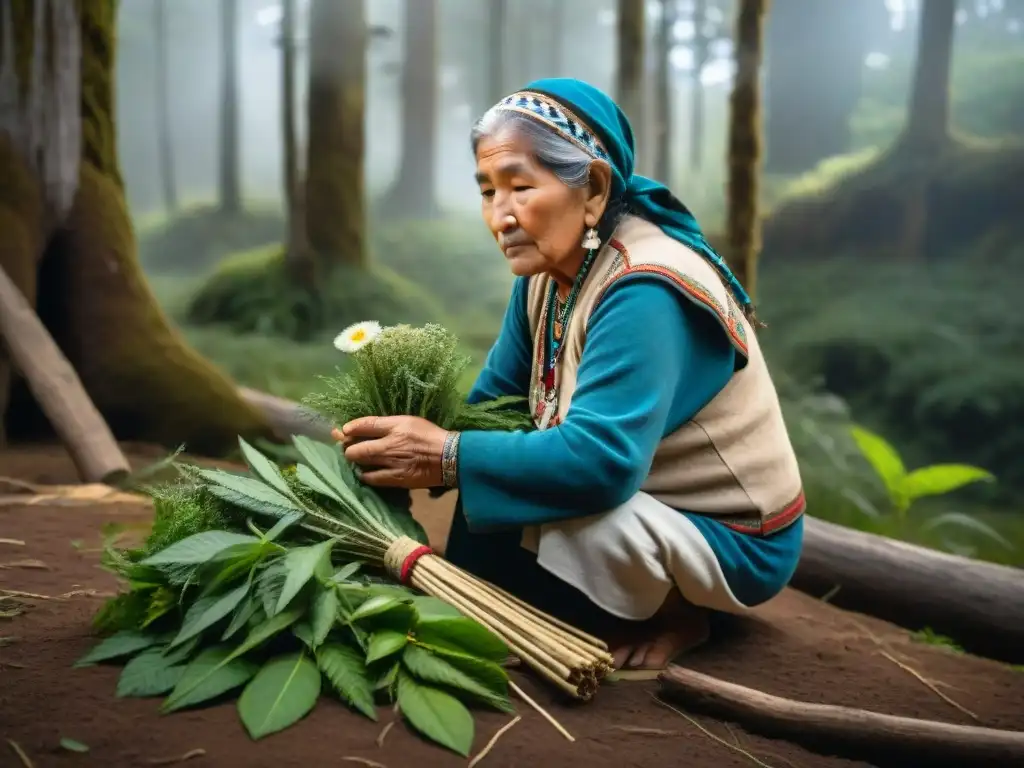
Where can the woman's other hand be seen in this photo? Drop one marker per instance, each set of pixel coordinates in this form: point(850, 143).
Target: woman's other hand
point(394, 451)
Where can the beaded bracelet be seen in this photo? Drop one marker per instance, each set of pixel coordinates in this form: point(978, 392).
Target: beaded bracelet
point(450, 460)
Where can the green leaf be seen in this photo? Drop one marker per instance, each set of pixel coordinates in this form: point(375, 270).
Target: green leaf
point(385, 642)
point(73, 746)
point(435, 714)
point(461, 634)
point(968, 523)
point(376, 606)
point(346, 572)
point(300, 564)
point(431, 668)
point(324, 614)
point(213, 672)
point(386, 680)
point(304, 631)
point(198, 548)
point(282, 693)
point(284, 524)
point(942, 478)
point(312, 480)
point(428, 608)
point(264, 468)
point(248, 493)
point(118, 645)
point(269, 585)
point(207, 611)
point(489, 673)
point(882, 456)
point(345, 669)
point(151, 673)
point(267, 629)
point(242, 615)
point(327, 462)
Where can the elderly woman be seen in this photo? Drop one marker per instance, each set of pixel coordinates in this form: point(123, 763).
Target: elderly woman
point(660, 486)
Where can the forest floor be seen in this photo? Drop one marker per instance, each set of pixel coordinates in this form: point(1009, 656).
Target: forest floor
point(795, 646)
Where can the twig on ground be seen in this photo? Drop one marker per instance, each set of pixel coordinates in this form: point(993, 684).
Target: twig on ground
point(827, 597)
point(38, 565)
point(494, 740)
point(640, 731)
point(13, 542)
point(540, 710)
point(16, 748)
point(930, 685)
point(65, 596)
point(384, 732)
point(710, 735)
point(192, 753)
point(363, 761)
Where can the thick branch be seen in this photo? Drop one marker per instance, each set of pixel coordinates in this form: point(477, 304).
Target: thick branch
point(885, 740)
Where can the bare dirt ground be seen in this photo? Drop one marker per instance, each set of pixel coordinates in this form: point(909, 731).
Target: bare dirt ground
point(796, 646)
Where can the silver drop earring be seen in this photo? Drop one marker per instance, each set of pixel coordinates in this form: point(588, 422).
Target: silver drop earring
point(590, 240)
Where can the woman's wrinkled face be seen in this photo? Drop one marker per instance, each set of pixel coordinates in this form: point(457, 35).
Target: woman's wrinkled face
point(536, 219)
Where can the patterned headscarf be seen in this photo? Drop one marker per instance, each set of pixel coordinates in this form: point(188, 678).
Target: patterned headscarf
point(591, 120)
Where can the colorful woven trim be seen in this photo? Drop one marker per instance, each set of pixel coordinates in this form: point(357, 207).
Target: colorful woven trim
point(554, 115)
point(772, 522)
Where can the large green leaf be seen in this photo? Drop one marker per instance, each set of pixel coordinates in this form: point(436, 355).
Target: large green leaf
point(198, 548)
point(265, 630)
point(327, 462)
point(941, 478)
point(213, 672)
point(375, 606)
point(300, 565)
point(346, 572)
point(345, 668)
point(432, 668)
point(284, 524)
point(282, 693)
point(312, 480)
point(461, 634)
point(489, 673)
point(151, 673)
point(435, 714)
point(324, 613)
point(264, 469)
point(117, 646)
point(244, 612)
point(385, 642)
point(207, 611)
point(248, 493)
point(969, 524)
point(882, 456)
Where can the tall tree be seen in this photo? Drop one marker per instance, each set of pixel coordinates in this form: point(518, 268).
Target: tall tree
point(165, 141)
point(496, 36)
point(703, 35)
point(927, 125)
point(663, 102)
point(66, 239)
point(299, 257)
point(742, 220)
point(229, 178)
point(412, 193)
point(336, 107)
point(630, 29)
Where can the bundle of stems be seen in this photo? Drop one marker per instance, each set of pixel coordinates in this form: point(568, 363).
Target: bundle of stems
point(325, 498)
point(565, 656)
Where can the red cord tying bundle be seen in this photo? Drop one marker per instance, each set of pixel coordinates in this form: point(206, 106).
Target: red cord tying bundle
point(410, 561)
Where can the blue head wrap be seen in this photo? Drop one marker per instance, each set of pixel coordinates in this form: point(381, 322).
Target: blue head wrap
point(593, 121)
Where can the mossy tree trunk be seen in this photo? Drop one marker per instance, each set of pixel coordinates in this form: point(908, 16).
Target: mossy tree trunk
point(230, 172)
point(742, 221)
point(334, 198)
point(412, 194)
point(928, 126)
point(630, 34)
point(88, 287)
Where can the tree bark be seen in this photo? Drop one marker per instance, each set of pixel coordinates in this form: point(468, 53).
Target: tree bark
point(230, 144)
point(630, 35)
point(663, 44)
point(165, 142)
point(885, 740)
point(701, 53)
point(928, 112)
point(334, 198)
point(89, 290)
point(742, 220)
point(412, 194)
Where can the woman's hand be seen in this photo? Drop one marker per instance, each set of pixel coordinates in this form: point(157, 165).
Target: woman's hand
point(394, 451)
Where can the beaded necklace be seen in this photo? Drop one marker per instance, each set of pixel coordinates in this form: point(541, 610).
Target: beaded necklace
point(559, 315)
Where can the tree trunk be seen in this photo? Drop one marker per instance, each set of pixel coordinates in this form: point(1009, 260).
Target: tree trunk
point(334, 197)
point(814, 65)
point(89, 290)
point(230, 148)
point(630, 72)
point(742, 221)
point(701, 53)
point(662, 161)
point(412, 193)
point(496, 38)
point(928, 112)
point(165, 141)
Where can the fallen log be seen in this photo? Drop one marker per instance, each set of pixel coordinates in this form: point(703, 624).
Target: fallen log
point(58, 390)
point(980, 605)
point(883, 740)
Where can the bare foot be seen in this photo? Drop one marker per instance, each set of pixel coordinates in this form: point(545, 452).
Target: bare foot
point(678, 627)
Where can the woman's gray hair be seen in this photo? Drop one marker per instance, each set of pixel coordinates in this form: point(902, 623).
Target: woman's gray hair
point(556, 153)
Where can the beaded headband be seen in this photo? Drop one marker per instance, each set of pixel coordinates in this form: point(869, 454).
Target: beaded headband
point(556, 116)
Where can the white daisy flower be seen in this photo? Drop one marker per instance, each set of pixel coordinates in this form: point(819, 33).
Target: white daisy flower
point(357, 336)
